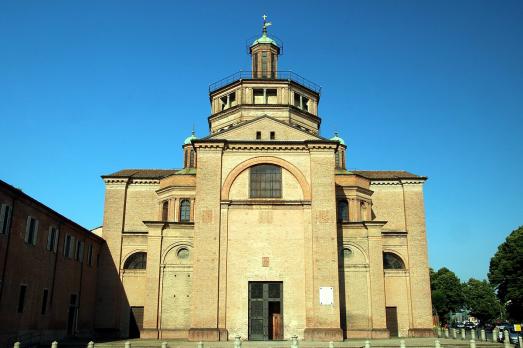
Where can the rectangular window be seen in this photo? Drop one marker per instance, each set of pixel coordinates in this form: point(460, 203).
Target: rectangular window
point(271, 96)
point(5, 218)
point(31, 230)
point(265, 181)
point(79, 254)
point(273, 66)
point(228, 101)
point(21, 298)
point(52, 239)
point(258, 135)
point(259, 96)
point(44, 301)
point(69, 246)
point(90, 255)
point(301, 101)
point(255, 63)
point(273, 135)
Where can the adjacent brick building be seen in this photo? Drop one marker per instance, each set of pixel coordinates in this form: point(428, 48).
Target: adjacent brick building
point(264, 233)
point(48, 270)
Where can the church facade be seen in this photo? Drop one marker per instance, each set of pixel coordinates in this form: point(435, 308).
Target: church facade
point(264, 233)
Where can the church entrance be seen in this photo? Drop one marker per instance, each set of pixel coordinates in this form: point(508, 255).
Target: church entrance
point(265, 311)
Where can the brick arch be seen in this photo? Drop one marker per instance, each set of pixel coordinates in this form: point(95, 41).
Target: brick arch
point(305, 187)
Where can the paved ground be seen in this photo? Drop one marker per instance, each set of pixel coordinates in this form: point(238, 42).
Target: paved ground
point(409, 342)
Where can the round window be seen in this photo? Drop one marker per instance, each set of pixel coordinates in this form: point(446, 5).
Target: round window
point(347, 252)
point(183, 253)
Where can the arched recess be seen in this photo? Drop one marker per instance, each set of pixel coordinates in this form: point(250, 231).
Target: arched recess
point(173, 249)
point(305, 187)
point(135, 260)
point(396, 260)
point(359, 256)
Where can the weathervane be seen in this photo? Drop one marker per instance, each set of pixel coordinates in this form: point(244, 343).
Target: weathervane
point(265, 24)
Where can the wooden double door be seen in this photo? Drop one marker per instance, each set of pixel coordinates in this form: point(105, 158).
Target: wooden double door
point(265, 311)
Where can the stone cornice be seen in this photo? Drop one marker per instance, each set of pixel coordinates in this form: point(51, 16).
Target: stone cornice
point(398, 182)
point(115, 180)
point(145, 181)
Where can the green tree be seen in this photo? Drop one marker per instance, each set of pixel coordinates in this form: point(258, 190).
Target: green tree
point(447, 293)
point(481, 300)
point(506, 274)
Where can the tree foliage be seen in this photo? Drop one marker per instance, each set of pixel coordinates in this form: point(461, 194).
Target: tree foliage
point(506, 274)
point(447, 292)
point(481, 300)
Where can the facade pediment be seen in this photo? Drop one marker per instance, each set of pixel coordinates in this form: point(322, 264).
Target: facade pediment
point(265, 125)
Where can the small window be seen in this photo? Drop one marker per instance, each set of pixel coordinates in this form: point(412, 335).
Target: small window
point(337, 160)
point(165, 211)
point(271, 96)
point(273, 135)
point(185, 211)
point(5, 218)
point(265, 181)
point(191, 159)
point(21, 298)
point(265, 96)
point(392, 261)
point(31, 230)
point(264, 64)
point(52, 239)
point(79, 254)
point(346, 253)
point(343, 210)
point(259, 96)
point(183, 253)
point(69, 246)
point(90, 254)
point(136, 261)
point(44, 301)
point(258, 135)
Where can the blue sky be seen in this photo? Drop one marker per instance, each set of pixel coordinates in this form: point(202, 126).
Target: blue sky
point(432, 87)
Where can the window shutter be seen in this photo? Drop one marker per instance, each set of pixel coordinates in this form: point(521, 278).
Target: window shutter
point(72, 248)
point(27, 226)
point(81, 252)
point(3, 216)
point(35, 234)
point(8, 218)
point(49, 238)
point(55, 246)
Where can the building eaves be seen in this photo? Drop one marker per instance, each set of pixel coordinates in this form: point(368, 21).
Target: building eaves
point(386, 174)
point(19, 193)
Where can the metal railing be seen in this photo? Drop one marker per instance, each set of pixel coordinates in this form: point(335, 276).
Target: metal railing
point(276, 76)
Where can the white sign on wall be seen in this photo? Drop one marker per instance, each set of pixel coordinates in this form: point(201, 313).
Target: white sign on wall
point(326, 296)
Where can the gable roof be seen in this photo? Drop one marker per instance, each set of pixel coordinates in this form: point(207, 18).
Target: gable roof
point(243, 124)
point(142, 173)
point(387, 174)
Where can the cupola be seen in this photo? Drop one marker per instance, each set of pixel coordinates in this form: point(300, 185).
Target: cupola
point(189, 156)
point(340, 153)
point(264, 52)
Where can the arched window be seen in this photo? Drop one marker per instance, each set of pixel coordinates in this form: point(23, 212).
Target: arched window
point(136, 261)
point(337, 159)
point(265, 181)
point(346, 253)
point(186, 158)
point(343, 210)
point(392, 261)
point(165, 211)
point(185, 211)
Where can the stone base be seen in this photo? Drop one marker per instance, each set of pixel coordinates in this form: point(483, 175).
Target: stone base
point(174, 333)
point(149, 333)
point(421, 333)
point(380, 333)
point(362, 333)
point(323, 334)
point(208, 334)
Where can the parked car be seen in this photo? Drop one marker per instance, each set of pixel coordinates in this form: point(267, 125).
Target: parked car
point(469, 325)
point(459, 325)
point(513, 336)
point(501, 330)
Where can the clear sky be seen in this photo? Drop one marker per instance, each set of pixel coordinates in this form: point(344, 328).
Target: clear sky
point(433, 87)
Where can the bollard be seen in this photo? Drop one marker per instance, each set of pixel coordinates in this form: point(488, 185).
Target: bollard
point(472, 343)
point(164, 344)
point(495, 335)
point(54, 344)
point(463, 334)
point(402, 344)
point(446, 332)
point(294, 342)
point(520, 340)
point(90, 344)
point(439, 331)
point(16, 345)
point(473, 334)
point(331, 344)
point(483, 335)
point(437, 344)
point(367, 344)
point(506, 341)
point(454, 334)
point(200, 344)
point(237, 341)
point(127, 344)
